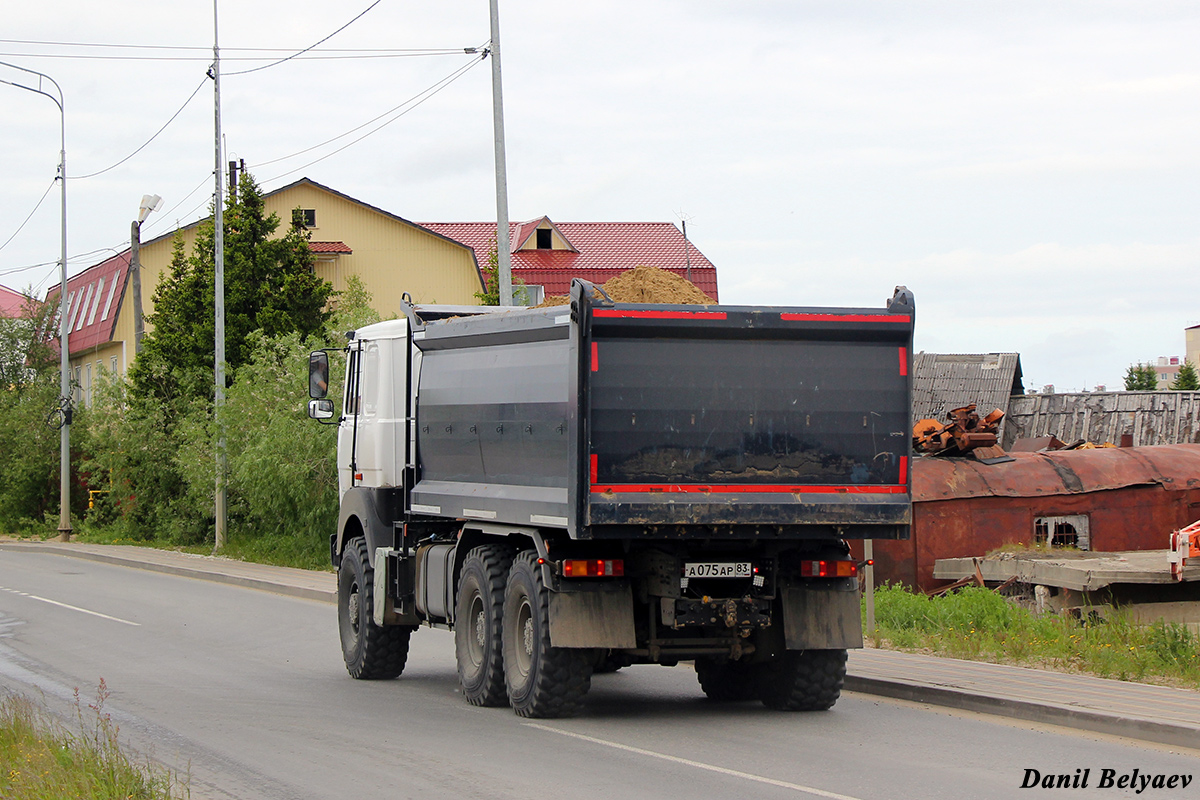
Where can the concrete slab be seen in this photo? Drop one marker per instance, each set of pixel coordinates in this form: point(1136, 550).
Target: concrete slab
point(1079, 570)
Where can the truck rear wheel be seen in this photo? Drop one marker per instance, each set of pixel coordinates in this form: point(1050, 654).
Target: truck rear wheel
point(725, 681)
point(543, 681)
point(477, 629)
point(803, 680)
point(371, 652)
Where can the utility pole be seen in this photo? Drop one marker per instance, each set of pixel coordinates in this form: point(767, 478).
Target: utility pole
point(869, 577)
point(503, 245)
point(687, 253)
point(218, 300)
point(64, 409)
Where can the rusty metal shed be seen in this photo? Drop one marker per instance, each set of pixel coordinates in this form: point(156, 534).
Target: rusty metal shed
point(1151, 418)
point(943, 382)
point(1109, 498)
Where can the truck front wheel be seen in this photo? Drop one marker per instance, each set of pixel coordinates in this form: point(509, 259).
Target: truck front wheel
point(543, 681)
point(803, 680)
point(370, 651)
point(477, 628)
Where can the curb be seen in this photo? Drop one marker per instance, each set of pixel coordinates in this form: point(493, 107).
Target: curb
point(1080, 719)
point(263, 584)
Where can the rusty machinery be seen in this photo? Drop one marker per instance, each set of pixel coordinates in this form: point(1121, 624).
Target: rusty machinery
point(964, 431)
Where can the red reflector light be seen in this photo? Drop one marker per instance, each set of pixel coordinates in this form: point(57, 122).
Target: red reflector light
point(828, 569)
point(593, 568)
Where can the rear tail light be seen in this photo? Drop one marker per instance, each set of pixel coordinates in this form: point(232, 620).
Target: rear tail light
point(828, 569)
point(593, 568)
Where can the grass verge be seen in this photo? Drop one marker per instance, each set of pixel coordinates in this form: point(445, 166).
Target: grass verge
point(304, 551)
point(979, 625)
point(41, 760)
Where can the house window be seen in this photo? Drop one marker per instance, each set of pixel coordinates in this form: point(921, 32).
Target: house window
point(528, 295)
point(1066, 531)
point(114, 365)
point(545, 239)
point(305, 217)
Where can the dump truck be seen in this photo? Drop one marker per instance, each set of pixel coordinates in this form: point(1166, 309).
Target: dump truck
point(584, 487)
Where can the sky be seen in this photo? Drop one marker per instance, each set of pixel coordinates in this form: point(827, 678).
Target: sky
point(1029, 170)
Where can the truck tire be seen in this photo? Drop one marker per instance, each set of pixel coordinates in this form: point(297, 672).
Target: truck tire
point(725, 681)
point(477, 630)
point(803, 680)
point(543, 681)
point(371, 652)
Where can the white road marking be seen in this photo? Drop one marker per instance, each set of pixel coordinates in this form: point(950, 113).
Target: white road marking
point(733, 773)
point(72, 608)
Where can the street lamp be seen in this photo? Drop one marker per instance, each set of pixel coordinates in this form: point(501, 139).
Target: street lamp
point(64, 465)
point(150, 202)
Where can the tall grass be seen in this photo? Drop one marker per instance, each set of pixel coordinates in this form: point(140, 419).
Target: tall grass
point(980, 625)
point(40, 759)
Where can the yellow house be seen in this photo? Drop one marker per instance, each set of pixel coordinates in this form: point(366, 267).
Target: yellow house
point(391, 255)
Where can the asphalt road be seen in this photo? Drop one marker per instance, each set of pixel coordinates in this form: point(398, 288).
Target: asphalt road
point(246, 691)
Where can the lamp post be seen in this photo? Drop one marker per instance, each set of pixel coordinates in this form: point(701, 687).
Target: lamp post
point(64, 465)
point(503, 245)
point(150, 202)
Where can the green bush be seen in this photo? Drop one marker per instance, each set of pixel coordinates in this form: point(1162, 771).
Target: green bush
point(977, 623)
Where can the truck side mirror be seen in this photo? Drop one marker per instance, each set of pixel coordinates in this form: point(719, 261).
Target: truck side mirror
point(318, 378)
point(320, 409)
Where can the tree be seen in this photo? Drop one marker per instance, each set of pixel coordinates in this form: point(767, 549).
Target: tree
point(270, 286)
point(1140, 378)
point(29, 389)
point(490, 296)
point(27, 348)
point(1186, 380)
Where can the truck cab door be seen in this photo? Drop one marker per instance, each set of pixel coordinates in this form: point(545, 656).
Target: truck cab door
point(357, 445)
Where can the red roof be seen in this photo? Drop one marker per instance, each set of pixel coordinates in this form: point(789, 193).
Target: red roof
point(602, 250)
point(330, 247)
point(12, 304)
point(93, 299)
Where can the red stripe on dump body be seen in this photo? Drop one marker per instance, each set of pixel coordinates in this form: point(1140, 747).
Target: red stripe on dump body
point(788, 317)
point(641, 314)
point(758, 488)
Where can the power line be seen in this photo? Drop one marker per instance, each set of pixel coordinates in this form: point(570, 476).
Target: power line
point(449, 78)
point(412, 102)
point(208, 49)
point(31, 213)
point(151, 139)
point(305, 50)
point(365, 55)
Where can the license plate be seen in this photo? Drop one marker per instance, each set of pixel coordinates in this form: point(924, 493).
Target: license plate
point(739, 569)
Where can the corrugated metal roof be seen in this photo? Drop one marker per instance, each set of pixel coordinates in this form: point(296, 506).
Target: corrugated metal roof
point(942, 382)
point(1152, 418)
point(330, 247)
point(11, 303)
point(603, 250)
point(1057, 472)
point(93, 299)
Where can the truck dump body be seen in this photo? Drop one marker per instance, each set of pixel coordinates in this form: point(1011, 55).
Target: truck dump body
point(618, 420)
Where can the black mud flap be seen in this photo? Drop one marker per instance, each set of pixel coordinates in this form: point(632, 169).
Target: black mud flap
point(822, 615)
point(599, 618)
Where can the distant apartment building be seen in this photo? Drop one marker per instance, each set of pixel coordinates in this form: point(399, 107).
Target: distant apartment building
point(1166, 369)
point(1191, 345)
